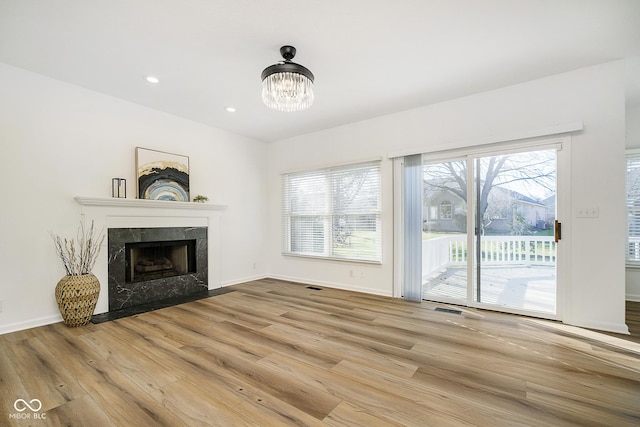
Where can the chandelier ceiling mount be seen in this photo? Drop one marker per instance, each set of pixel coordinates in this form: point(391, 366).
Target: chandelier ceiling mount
point(287, 86)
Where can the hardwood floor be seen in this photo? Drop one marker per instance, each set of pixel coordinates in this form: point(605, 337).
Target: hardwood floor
point(275, 353)
point(633, 320)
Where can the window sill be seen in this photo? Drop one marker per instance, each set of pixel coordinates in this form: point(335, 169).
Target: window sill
point(326, 258)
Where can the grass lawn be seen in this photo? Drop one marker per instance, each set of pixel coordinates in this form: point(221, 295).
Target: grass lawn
point(360, 242)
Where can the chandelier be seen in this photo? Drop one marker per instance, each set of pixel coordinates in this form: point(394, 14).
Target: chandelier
point(287, 86)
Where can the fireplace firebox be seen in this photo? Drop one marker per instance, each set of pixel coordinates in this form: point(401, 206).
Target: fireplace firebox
point(158, 260)
point(153, 264)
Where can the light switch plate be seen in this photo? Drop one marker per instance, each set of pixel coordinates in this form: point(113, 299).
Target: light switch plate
point(593, 212)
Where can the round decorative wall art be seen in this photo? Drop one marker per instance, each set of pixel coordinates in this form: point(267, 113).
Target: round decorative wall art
point(166, 189)
point(162, 176)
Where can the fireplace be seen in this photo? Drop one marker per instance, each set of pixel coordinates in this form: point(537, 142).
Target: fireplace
point(159, 260)
point(154, 264)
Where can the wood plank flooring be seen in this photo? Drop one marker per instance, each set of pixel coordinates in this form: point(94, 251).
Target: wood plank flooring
point(633, 321)
point(274, 353)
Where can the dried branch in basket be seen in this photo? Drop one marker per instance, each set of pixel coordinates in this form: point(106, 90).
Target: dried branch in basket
point(79, 256)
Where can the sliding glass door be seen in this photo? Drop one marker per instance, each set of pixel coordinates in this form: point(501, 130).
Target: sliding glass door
point(507, 261)
point(444, 231)
point(515, 248)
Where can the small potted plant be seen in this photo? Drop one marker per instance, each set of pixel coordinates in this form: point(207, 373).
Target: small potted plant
point(77, 292)
point(200, 198)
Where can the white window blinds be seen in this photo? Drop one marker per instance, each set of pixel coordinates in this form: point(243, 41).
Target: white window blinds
point(333, 212)
point(633, 208)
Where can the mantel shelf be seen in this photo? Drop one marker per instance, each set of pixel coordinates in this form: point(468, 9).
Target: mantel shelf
point(142, 203)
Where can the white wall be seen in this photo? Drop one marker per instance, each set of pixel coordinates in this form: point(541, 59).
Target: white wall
point(633, 141)
point(595, 283)
point(58, 141)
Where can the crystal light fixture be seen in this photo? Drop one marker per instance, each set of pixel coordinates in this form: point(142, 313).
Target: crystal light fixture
point(287, 86)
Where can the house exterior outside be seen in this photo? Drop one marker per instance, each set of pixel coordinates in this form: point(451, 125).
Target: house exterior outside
point(509, 212)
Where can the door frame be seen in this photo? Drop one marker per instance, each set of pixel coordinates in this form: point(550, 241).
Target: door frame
point(562, 143)
point(562, 147)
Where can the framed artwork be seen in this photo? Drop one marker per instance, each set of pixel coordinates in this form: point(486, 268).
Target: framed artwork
point(162, 176)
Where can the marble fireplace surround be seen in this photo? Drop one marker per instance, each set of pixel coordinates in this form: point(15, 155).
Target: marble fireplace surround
point(113, 213)
point(125, 294)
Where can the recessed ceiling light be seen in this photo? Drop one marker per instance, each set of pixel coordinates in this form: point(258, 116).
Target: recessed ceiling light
point(231, 109)
point(152, 79)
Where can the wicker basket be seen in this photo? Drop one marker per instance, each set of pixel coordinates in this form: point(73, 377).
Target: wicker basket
point(77, 297)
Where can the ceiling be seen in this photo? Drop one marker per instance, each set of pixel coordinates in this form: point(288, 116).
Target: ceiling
point(370, 57)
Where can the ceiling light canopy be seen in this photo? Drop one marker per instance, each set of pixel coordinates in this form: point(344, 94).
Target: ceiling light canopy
point(287, 86)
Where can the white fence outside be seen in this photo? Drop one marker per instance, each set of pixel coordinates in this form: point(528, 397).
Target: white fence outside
point(443, 252)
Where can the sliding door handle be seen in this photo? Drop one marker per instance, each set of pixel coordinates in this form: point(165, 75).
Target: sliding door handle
point(557, 230)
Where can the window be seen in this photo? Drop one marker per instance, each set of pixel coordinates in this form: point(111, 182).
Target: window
point(333, 213)
point(633, 207)
point(445, 210)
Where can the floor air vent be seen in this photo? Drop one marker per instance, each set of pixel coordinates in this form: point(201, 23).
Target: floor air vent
point(448, 310)
point(314, 288)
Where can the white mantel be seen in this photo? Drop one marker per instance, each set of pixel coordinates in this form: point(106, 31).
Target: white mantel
point(108, 212)
point(143, 203)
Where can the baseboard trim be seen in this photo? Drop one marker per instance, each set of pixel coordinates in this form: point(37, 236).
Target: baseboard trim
point(332, 285)
point(601, 326)
point(244, 280)
point(28, 324)
point(632, 297)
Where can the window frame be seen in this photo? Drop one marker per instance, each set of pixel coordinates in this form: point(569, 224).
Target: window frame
point(329, 213)
point(448, 204)
point(631, 155)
